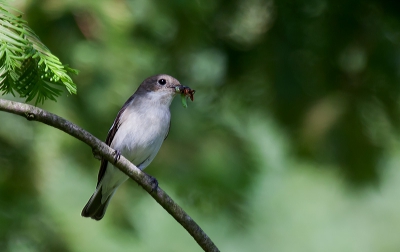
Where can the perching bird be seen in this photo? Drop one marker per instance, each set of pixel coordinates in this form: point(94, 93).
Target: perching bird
point(137, 133)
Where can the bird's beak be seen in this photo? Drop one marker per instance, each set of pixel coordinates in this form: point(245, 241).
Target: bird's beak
point(179, 88)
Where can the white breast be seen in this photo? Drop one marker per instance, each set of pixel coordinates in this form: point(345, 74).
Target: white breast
point(141, 133)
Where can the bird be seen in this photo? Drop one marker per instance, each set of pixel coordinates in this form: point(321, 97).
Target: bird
point(138, 131)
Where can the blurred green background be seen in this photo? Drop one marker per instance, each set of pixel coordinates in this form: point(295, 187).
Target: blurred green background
point(292, 143)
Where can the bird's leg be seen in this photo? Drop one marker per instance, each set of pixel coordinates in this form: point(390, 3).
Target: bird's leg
point(117, 156)
point(154, 183)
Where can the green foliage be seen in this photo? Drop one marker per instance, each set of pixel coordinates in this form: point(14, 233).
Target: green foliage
point(27, 66)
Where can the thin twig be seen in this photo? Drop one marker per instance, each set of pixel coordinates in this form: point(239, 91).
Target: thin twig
point(36, 114)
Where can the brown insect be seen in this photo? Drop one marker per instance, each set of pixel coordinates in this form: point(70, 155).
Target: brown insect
point(187, 92)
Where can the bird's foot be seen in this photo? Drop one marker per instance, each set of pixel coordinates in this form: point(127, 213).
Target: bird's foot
point(117, 156)
point(154, 183)
point(96, 154)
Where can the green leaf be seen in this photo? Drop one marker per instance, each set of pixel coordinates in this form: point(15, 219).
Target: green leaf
point(27, 66)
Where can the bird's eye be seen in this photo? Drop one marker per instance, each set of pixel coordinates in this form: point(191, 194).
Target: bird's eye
point(162, 81)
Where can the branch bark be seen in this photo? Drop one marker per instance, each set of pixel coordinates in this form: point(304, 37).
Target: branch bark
point(36, 114)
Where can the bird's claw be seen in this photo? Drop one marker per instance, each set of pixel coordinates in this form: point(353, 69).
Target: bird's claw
point(117, 156)
point(96, 154)
point(154, 183)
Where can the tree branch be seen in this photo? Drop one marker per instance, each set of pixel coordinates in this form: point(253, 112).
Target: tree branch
point(36, 114)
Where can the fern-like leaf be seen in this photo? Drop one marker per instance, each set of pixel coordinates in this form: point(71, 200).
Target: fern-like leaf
point(27, 66)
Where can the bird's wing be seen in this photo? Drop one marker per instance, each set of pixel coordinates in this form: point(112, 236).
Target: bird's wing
point(169, 127)
point(110, 137)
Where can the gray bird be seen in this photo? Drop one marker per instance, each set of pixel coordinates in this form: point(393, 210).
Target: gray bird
point(137, 133)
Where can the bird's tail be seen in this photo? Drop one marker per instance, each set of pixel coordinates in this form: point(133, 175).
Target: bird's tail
point(97, 206)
